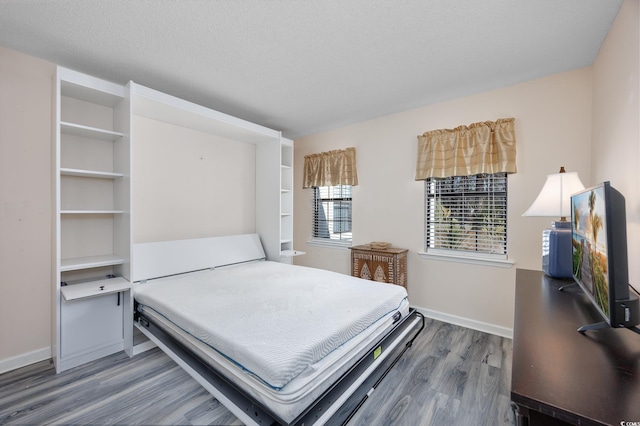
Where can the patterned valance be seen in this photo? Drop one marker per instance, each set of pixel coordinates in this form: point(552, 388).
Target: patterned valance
point(486, 147)
point(330, 168)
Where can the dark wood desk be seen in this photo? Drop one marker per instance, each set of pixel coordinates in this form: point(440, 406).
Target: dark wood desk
point(560, 375)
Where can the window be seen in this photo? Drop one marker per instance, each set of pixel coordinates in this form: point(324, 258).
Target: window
point(332, 214)
point(467, 214)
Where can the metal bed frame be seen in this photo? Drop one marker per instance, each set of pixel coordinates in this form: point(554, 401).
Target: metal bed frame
point(335, 406)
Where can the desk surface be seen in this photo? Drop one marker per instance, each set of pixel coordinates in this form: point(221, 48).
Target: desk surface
point(582, 379)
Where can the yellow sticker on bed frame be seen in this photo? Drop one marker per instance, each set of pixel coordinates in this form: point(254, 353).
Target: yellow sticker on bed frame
point(377, 352)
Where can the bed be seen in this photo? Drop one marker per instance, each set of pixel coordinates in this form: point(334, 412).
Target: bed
point(275, 343)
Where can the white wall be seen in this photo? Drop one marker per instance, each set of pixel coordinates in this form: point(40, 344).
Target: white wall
point(553, 129)
point(25, 208)
point(616, 121)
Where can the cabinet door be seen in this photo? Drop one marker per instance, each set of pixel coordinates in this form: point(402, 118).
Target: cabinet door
point(369, 266)
point(360, 264)
point(381, 265)
point(90, 324)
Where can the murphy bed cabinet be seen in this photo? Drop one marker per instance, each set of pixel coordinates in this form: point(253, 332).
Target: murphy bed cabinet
point(274, 161)
point(93, 265)
point(91, 292)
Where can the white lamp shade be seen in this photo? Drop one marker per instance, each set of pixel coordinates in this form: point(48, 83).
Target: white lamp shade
point(555, 197)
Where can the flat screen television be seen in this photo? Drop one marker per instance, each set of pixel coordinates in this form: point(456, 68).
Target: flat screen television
point(599, 252)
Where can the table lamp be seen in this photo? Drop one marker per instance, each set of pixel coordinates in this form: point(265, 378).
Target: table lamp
point(555, 200)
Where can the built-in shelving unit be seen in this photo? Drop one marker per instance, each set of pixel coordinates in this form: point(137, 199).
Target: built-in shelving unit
point(286, 201)
point(92, 265)
point(92, 219)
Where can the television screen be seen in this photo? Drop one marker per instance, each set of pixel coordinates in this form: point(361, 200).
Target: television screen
point(599, 251)
point(590, 246)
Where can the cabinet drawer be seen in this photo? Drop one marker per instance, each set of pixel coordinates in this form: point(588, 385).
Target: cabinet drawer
point(90, 324)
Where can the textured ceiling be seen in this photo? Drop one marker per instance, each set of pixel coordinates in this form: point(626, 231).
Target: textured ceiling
point(307, 66)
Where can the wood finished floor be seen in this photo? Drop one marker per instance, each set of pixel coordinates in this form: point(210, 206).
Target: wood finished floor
point(451, 376)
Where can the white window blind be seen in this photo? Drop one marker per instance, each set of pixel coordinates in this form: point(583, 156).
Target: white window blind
point(467, 214)
point(332, 213)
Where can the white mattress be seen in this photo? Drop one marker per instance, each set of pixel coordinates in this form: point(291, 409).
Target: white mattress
point(291, 330)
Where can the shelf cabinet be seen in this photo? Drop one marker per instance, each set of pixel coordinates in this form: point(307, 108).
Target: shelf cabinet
point(286, 202)
point(92, 324)
point(286, 195)
point(92, 217)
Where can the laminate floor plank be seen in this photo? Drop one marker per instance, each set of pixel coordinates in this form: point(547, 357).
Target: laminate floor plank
point(210, 412)
point(71, 391)
point(450, 376)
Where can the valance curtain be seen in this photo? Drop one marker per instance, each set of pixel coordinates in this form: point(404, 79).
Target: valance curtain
point(330, 168)
point(485, 147)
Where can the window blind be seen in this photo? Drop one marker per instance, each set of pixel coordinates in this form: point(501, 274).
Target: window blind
point(331, 206)
point(467, 214)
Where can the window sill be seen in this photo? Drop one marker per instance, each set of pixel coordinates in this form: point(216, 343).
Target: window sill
point(486, 261)
point(330, 244)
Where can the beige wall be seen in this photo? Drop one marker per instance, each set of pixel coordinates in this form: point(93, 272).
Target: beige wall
point(25, 208)
point(190, 184)
point(553, 117)
point(616, 122)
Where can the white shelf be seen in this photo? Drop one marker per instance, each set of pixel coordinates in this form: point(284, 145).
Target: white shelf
point(90, 173)
point(291, 253)
point(89, 262)
point(89, 89)
point(89, 132)
point(94, 288)
point(91, 211)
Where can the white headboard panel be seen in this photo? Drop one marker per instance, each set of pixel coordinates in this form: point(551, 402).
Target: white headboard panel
point(153, 260)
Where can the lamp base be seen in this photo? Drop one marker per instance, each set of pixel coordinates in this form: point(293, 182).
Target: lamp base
point(557, 257)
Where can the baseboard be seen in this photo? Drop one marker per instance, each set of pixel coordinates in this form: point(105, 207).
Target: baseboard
point(24, 359)
point(466, 322)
